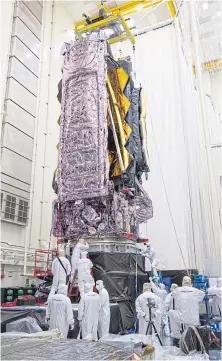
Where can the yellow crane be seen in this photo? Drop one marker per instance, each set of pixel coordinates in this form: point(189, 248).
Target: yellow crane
point(118, 15)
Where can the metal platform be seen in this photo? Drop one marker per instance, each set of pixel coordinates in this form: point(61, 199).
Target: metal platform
point(113, 244)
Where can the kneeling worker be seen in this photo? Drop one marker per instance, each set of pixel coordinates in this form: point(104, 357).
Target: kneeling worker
point(59, 312)
point(187, 299)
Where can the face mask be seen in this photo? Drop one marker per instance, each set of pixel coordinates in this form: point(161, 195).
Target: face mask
point(99, 287)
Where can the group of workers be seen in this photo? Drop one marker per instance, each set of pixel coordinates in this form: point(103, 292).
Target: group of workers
point(94, 308)
point(167, 311)
point(180, 307)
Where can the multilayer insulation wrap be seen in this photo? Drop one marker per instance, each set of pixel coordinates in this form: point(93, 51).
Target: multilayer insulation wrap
point(108, 215)
point(89, 179)
point(27, 325)
point(23, 348)
point(83, 158)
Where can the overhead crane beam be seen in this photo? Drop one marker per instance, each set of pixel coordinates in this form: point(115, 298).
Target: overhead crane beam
point(132, 7)
point(115, 14)
point(123, 10)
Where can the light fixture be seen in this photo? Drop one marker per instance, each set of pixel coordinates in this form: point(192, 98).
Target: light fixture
point(205, 6)
point(109, 32)
point(130, 22)
point(139, 7)
point(70, 33)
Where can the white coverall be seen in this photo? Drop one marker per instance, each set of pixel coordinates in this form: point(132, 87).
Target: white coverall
point(169, 301)
point(187, 301)
point(162, 294)
point(80, 247)
point(150, 256)
point(88, 315)
point(104, 313)
point(84, 266)
point(59, 313)
point(142, 310)
point(215, 293)
point(59, 274)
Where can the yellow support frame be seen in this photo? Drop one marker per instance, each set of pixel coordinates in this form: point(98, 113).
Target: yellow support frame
point(213, 64)
point(129, 33)
point(113, 14)
point(120, 125)
point(96, 25)
point(171, 8)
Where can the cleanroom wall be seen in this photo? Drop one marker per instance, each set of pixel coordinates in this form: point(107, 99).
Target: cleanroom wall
point(184, 174)
point(170, 229)
point(58, 28)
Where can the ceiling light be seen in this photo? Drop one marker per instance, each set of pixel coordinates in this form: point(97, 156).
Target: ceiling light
point(109, 32)
point(139, 7)
point(205, 6)
point(130, 22)
point(70, 33)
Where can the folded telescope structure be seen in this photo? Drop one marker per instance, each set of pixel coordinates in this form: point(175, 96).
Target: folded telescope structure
point(102, 146)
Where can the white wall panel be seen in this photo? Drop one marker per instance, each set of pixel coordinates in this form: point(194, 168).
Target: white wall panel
point(28, 18)
point(21, 36)
point(14, 235)
point(216, 92)
point(17, 141)
point(13, 276)
point(27, 37)
point(18, 117)
point(47, 123)
point(36, 8)
point(25, 55)
point(24, 76)
point(21, 96)
point(6, 16)
point(13, 185)
point(16, 166)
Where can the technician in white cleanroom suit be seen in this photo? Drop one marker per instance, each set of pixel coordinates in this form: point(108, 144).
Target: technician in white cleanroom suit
point(187, 299)
point(142, 309)
point(61, 268)
point(88, 313)
point(215, 295)
point(84, 266)
point(104, 313)
point(169, 300)
point(80, 247)
point(162, 294)
point(59, 312)
point(150, 256)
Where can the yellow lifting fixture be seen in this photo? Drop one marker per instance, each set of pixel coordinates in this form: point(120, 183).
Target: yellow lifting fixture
point(118, 14)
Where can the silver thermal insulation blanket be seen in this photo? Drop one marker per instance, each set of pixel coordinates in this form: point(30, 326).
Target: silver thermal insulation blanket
point(108, 215)
point(22, 348)
point(83, 158)
point(89, 203)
